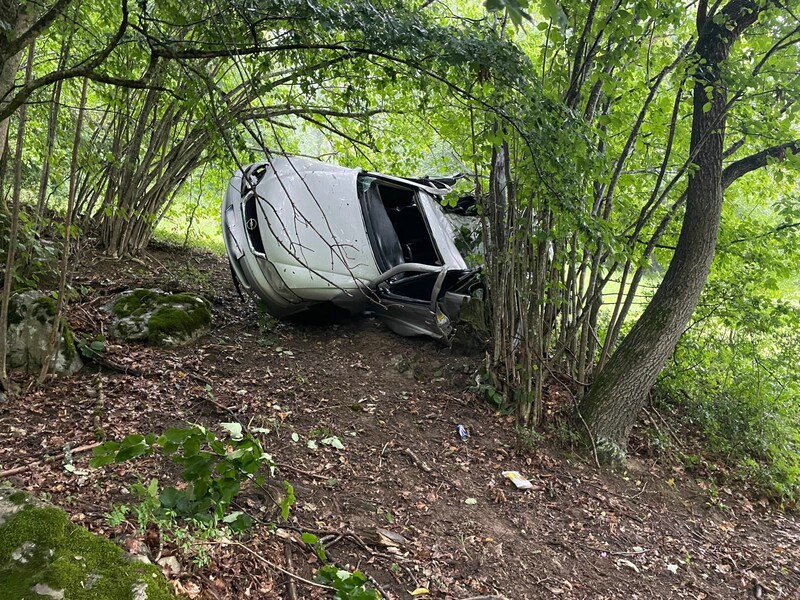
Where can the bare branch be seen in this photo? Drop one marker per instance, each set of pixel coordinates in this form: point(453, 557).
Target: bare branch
point(85, 70)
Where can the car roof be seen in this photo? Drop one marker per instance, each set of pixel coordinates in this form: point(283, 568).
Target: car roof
point(303, 166)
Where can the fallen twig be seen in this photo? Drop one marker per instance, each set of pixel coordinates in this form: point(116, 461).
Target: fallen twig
point(639, 493)
point(104, 361)
point(47, 459)
point(301, 471)
point(420, 463)
point(200, 379)
point(278, 567)
point(287, 552)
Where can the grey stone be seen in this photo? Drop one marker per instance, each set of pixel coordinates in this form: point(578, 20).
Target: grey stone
point(24, 553)
point(402, 365)
point(42, 589)
point(90, 581)
point(30, 320)
point(159, 318)
point(139, 590)
point(169, 564)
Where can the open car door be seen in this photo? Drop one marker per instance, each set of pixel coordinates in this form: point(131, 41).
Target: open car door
point(418, 299)
point(424, 278)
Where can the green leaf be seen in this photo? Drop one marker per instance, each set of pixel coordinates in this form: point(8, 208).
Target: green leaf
point(177, 435)
point(104, 454)
point(131, 447)
point(334, 442)
point(233, 429)
point(309, 538)
point(240, 523)
point(170, 497)
point(288, 501)
point(551, 10)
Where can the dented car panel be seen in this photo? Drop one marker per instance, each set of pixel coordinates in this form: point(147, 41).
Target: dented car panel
point(300, 233)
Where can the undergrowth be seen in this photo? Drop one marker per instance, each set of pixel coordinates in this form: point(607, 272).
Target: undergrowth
point(201, 506)
point(737, 384)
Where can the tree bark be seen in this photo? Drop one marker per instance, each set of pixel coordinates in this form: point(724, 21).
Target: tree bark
point(617, 396)
point(13, 231)
point(19, 17)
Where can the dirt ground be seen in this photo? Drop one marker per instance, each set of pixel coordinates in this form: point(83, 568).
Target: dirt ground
point(394, 403)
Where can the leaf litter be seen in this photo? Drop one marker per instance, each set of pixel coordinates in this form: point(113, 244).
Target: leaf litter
point(575, 533)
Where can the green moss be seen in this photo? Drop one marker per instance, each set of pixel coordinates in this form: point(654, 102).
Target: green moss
point(69, 341)
point(18, 497)
point(14, 316)
point(70, 558)
point(169, 317)
point(44, 309)
point(169, 321)
point(136, 303)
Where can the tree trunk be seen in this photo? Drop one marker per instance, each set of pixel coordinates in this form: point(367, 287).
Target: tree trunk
point(52, 342)
point(19, 18)
point(617, 396)
point(13, 231)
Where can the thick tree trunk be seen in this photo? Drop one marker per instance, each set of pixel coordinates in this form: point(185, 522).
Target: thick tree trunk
point(617, 396)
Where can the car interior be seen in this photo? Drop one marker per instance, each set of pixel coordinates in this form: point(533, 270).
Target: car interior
point(399, 234)
point(396, 226)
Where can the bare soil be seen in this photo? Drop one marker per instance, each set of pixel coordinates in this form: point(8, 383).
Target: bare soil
point(656, 531)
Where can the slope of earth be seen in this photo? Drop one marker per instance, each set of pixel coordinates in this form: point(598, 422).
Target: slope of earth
point(363, 424)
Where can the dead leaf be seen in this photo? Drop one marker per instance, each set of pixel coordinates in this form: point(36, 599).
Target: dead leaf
point(420, 591)
point(626, 563)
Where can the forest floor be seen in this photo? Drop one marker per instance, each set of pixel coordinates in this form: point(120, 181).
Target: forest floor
point(658, 531)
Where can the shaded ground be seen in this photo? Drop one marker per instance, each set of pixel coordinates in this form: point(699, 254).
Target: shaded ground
point(394, 404)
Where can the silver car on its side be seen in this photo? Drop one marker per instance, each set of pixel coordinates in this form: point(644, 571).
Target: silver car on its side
point(301, 233)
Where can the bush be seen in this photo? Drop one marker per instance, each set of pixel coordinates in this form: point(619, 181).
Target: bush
point(737, 381)
point(213, 473)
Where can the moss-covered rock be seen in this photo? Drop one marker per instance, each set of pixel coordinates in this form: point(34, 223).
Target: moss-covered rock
point(44, 555)
point(31, 319)
point(159, 318)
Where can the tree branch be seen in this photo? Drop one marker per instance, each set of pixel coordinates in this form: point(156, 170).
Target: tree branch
point(772, 231)
point(22, 40)
point(741, 167)
point(86, 70)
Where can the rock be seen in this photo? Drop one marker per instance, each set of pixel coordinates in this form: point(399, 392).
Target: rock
point(43, 554)
point(159, 318)
point(31, 316)
point(402, 365)
point(169, 565)
point(42, 589)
